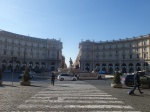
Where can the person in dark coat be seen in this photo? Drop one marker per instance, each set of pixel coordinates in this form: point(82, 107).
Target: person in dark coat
point(137, 83)
point(52, 78)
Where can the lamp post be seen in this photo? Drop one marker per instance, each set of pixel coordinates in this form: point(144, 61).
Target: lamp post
point(14, 59)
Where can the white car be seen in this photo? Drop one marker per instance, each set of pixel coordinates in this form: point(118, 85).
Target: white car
point(64, 76)
point(30, 73)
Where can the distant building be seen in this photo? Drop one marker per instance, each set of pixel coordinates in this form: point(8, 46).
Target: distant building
point(126, 55)
point(33, 52)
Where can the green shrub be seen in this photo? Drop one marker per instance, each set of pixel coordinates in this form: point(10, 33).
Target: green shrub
point(26, 76)
point(116, 79)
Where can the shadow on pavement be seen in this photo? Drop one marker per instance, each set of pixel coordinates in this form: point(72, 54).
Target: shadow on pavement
point(35, 86)
point(5, 85)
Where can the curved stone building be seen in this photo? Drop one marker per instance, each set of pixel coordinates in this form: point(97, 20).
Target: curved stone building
point(126, 55)
point(33, 52)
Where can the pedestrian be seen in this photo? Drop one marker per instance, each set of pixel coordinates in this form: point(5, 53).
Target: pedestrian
point(52, 78)
point(137, 84)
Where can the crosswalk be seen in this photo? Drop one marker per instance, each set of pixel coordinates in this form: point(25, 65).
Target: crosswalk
point(77, 96)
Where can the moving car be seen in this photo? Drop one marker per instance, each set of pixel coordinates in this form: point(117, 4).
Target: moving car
point(64, 76)
point(128, 79)
point(30, 73)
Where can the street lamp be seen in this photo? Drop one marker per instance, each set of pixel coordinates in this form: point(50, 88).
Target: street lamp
point(14, 59)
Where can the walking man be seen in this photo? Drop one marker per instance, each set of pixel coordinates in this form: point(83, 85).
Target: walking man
point(52, 78)
point(136, 83)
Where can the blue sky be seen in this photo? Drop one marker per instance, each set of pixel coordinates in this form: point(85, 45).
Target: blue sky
point(76, 20)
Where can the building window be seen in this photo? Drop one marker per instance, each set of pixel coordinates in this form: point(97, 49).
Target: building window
point(110, 47)
point(138, 56)
point(144, 49)
point(130, 56)
point(18, 54)
point(11, 52)
point(137, 44)
point(87, 47)
point(130, 45)
point(12, 41)
point(145, 55)
point(97, 55)
point(43, 56)
point(53, 55)
point(130, 51)
point(145, 42)
point(4, 52)
point(31, 54)
point(25, 43)
point(103, 47)
point(5, 40)
point(116, 46)
point(123, 56)
point(38, 55)
point(116, 52)
point(52, 46)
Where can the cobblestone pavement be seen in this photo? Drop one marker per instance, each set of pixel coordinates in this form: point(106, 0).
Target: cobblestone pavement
point(13, 95)
point(66, 96)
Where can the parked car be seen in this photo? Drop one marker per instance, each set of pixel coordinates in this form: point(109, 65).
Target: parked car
point(102, 72)
point(30, 73)
point(128, 79)
point(63, 77)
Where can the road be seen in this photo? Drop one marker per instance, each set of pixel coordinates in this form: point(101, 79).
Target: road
point(66, 96)
point(139, 101)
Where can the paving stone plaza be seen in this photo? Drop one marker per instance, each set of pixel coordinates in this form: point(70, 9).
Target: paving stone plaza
point(64, 96)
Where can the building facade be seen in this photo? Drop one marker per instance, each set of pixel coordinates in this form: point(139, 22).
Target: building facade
point(126, 55)
point(33, 52)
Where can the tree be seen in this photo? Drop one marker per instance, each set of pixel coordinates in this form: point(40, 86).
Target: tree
point(26, 76)
point(116, 79)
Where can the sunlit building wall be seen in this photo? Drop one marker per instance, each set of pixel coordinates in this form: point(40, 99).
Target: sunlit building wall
point(30, 51)
point(126, 55)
